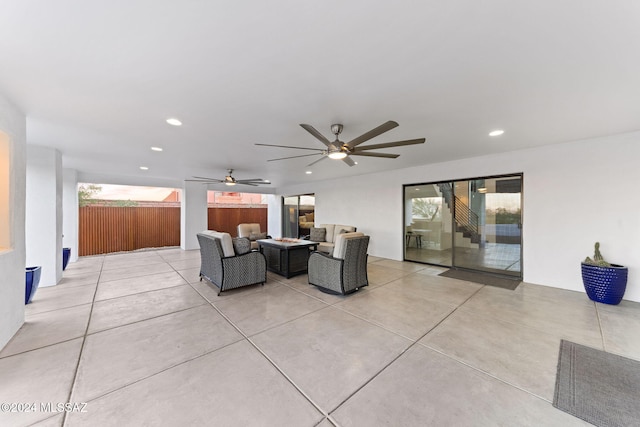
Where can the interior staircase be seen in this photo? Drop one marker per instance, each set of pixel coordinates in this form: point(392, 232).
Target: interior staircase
point(466, 219)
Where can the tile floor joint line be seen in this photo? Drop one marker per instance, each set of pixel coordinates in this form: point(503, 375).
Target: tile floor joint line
point(308, 295)
point(142, 292)
point(100, 396)
point(246, 337)
point(84, 340)
point(290, 380)
point(344, 310)
point(595, 306)
point(288, 321)
point(488, 374)
point(333, 420)
point(56, 309)
point(413, 344)
point(39, 348)
point(148, 318)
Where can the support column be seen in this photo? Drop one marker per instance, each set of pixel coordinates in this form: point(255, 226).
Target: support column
point(70, 214)
point(193, 213)
point(43, 229)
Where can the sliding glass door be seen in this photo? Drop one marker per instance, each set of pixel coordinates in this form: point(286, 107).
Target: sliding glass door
point(473, 224)
point(298, 215)
point(488, 225)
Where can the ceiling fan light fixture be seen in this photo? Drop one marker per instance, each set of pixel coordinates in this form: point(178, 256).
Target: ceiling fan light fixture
point(229, 183)
point(337, 155)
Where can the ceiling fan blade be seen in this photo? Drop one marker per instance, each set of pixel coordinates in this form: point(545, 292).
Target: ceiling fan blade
point(372, 133)
point(386, 155)
point(294, 157)
point(313, 163)
point(290, 146)
point(246, 183)
point(391, 144)
point(202, 178)
point(348, 160)
point(317, 134)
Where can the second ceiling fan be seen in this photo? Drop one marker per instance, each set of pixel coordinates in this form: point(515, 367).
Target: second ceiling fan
point(230, 180)
point(343, 150)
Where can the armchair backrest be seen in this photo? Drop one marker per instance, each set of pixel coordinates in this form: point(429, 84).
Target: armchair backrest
point(245, 230)
point(226, 244)
point(340, 247)
point(354, 267)
point(333, 231)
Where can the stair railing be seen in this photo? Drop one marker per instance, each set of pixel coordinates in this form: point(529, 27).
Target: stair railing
point(464, 216)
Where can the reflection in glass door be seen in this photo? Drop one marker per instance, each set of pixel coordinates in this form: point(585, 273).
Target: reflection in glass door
point(473, 224)
point(488, 225)
point(290, 217)
point(427, 223)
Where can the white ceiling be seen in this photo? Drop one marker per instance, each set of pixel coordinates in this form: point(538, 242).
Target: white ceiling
point(97, 79)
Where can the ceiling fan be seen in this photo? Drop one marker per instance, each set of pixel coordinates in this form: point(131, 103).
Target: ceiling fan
point(230, 180)
point(343, 150)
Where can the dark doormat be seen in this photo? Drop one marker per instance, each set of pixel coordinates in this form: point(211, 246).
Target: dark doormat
point(596, 386)
point(482, 278)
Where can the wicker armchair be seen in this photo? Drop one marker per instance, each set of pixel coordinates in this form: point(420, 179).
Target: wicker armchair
point(222, 267)
point(346, 270)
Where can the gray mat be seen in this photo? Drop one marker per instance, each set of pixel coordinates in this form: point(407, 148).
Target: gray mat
point(482, 278)
point(599, 387)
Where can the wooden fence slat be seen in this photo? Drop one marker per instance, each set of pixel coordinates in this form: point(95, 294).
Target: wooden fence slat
point(105, 229)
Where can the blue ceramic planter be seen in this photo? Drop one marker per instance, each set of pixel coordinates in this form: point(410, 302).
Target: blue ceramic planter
point(605, 284)
point(32, 282)
point(66, 253)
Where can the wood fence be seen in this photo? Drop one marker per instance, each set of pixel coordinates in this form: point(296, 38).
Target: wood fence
point(106, 229)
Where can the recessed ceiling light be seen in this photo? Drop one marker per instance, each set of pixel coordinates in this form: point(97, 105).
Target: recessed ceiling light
point(308, 172)
point(266, 181)
point(156, 149)
point(144, 168)
point(496, 132)
point(174, 122)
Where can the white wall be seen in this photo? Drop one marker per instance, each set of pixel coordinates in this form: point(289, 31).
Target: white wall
point(12, 261)
point(193, 214)
point(70, 214)
point(43, 233)
point(574, 194)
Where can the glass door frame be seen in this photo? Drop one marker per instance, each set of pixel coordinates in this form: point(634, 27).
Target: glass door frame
point(452, 182)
